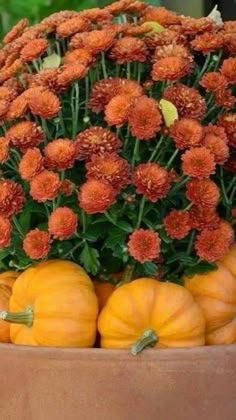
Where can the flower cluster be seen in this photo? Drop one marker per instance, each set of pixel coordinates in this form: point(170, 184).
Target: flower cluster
point(118, 140)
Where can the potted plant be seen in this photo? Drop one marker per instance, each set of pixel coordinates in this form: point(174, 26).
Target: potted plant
point(118, 165)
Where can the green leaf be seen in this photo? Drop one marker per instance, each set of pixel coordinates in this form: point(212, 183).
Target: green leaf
point(53, 61)
point(150, 268)
point(93, 233)
point(4, 253)
point(182, 258)
point(115, 238)
point(125, 226)
point(164, 237)
point(169, 112)
point(200, 268)
point(89, 259)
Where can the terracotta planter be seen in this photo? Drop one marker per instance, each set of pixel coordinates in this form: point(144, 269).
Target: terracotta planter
point(94, 384)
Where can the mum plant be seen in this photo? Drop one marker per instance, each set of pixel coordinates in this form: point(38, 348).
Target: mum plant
point(118, 137)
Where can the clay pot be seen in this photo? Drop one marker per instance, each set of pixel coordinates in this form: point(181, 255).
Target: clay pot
point(79, 384)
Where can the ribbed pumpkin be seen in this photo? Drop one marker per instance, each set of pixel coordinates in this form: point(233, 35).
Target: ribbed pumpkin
point(7, 280)
point(147, 312)
point(53, 304)
point(215, 293)
point(103, 290)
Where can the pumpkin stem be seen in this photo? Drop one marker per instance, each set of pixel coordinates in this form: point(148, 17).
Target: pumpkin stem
point(148, 339)
point(127, 275)
point(25, 317)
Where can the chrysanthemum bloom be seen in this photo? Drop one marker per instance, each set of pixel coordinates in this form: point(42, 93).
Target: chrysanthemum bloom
point(198, 162)
point(99, 40)
point(117, 110)
point(128, 49)
point(207, 42)
point(228, 69)
point(4, 106)
point(102, 92)
point(7, 93)
point(46, 79)
point(24, 135)
point(177, 224)
point(211, 245)
point(11, 71)
point(5, 232)
point(227, 231)
point(186, 133)
point(203, 193)
point(129, 88)
point(46, 104)
point(97, 16)
point(151, 180)
point(57, 18)
point(36, 244)
point(166, 37)
point(4, 149)
point(44, 186)
point(126, 6)
point(160, 15)
point(217, 131)
point(217, 147)
point(203, 218)
point(213, 80)
point(109, 167)
point(72, 26)
point(79, 55)
point(31, 164)
point(224, 98)
point(193, 26)
point(60, 154)
point(136, 30)
point(33, 49)
point(67, 187)
point(228, 121)
point(62, 223)
point(144, 118)
point(96, 196)
point(17, 108)
point(172, 50)
point(170, 68)
point(188, 101)
point(11, 198)
point(230, 42)
point(144, 245)
point(71, 73)
point(96, 140)
point(16, 31)
point(77, 41)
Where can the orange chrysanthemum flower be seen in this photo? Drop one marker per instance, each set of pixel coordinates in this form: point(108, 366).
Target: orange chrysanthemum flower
point(217, 147)
point(4, 149)
point(170, 68)
point(136, 30)
point(129, 88)
point(16, 31)
point(207, 42)
point(193, 26)
point(160, 15)
point(122, 6)
point(96, 196)
point(36, 244)
point(7, 93)
point(188, 101)
point(226, 230)
point(11, 71)
point(71, 73)
point(109, 167)
point(46, 79)
point(25, 135)
point(60, 154)
point(80, 56)
point(212, 81)
point(151, 180)
point(98, 16)
point(117, 110)
point(4, 106)
point(203, 193)
point(72, 26)
point(198, 162)
point(62, 223)
point(5, 232)
point(33, 49)
point(95, 140)
point(230, 42)
point(128, 49)
point(230, 26)
point(186, 133)
point(99, 40)
point(44, 186)
point(217, 131)
point(203, 218)
point(144, 118)
point(166, 37)
point(102, 92)
point(17, 108)
point(11, 198)
point(177, 224)
point(228, 121)
point(224, 98)
point(31, 164)
point(45, 104)
point(228, 69)
point(144, 245)
point(211, 245)
point(67, 187)
point(172, 50)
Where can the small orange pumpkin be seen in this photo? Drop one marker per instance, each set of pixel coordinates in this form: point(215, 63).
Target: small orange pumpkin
point(7, 280)
point(53, 304)
point(103, 290)
point(215, 293)
point(147, 312)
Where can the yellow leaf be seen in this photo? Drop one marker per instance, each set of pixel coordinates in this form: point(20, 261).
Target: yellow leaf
point(156, 27)
point(169, 112)
point(51, 62)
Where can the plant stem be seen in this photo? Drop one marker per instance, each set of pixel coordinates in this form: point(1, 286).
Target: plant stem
point(25, 317)
point(18, 226)
point(225, 197)
point(135, 152)
point(140, 214)
point(62, 123)
point(83, 220)
point(149, 338)
point(73, 249)
point(128, 70)
point(181, 182)
point(204, 68)
point(172, 158)
point(231, 184)
point(108, 216)
point(191, 241)
point(153, 155)
point(75, 109)
point(103, 62)
point(86, 96)
point(127, 275)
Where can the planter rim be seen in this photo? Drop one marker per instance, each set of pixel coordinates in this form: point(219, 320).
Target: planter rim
point(118, 354)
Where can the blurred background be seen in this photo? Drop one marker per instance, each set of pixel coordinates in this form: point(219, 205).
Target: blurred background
point(13, 10)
